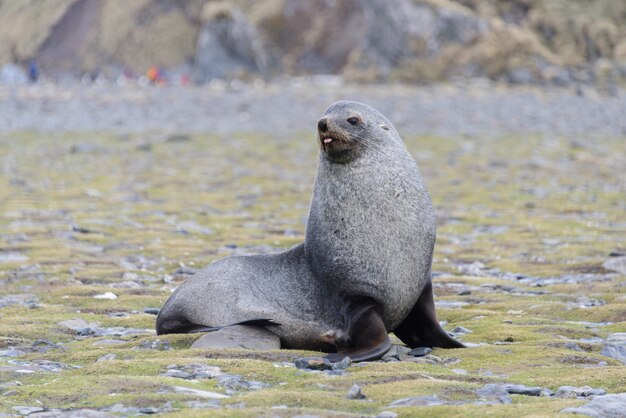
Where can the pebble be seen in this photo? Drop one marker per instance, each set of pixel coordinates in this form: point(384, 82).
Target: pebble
point(420, 351)
point(343, 364)
point(615, 346)
point(159, 345)
point(27, 410)
point(617, 264)
point(313, 363)
point(396, 353)
point(151, 311)
point(355, 392)
point(387, 414)
point(578, 392)
point(106, 295)
point(201, 393)
point(239, 336)
point(106, 357)
point(418, 401)
point(608, 406)
point(461, 330)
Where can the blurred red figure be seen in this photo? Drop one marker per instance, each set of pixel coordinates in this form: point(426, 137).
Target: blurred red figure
point(153, 75)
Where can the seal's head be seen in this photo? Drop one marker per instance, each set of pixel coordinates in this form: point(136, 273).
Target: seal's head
point(349, 129)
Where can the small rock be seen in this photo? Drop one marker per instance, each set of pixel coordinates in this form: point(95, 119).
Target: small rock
point(343, 364)
point(151, 311)
point(77, 324)
point(615, 346)
point(464, 292)
point(178, 374)
point(148, 411)
point(459, 371)
point(617, 264)
point(234, 382)
point(396, 353)
point(355, 392)
point(239, 336)
point(106, 295)
point(314, 363)
point(27, 410)
point(420, 351)
point(461, 330)
point(155, 345)
point(387, 414)
point(106, 357)
point(418, 401)
point(575, 392)
point(201, 405)
point(608, 406)
point(200, 393)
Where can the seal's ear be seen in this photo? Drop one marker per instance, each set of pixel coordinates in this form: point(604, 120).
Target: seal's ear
point(385, 127)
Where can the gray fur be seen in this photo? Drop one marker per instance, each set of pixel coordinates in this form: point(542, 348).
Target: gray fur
point(370, 233)
point(371, 229)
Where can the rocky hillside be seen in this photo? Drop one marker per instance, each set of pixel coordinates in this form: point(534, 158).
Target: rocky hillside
point(517, 41)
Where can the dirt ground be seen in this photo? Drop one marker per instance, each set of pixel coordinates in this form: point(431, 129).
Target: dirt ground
point(110, 196)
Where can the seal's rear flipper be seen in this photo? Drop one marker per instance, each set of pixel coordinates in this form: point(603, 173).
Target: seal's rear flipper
point(367, 336)
point(421, 328)
point(172, 325)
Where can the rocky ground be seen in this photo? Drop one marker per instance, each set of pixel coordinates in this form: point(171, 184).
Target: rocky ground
point(110, 197)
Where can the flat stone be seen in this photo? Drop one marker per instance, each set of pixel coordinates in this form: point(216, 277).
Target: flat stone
point(106, 357)
point(608, 406)
point(355, 392)
point(73, 413)
point(387, 414)
point(78, 324)
point(239, 336)
point(420, 351)
point(27, 410)
point(343, 364)
point(615, 346)
point(201, 393)
point(418, 401)
point(617, 264)
point(313, 363)
point(575, 392)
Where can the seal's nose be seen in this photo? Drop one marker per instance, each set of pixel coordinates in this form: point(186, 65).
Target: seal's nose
point(322, 125)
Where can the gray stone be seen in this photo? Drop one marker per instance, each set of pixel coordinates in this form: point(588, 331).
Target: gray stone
point(608, 406)
point(178, 374)
point(576, 392)
point(494, 392)
point(420, 351)
point(343, 364)
point(201, 393)
point(233, 382)
point(355, 392)
point(106, 357)
point(73, 413)
point(239, 336)
point(387, 414)
point(617, 264)
point(151, 311)
point(418, 401)
point(314, 363)
point(396, 353)
point(27, 410)
point(615, 346)
point(461, 330)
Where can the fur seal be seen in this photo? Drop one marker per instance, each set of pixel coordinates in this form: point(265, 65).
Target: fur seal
point(363, 270)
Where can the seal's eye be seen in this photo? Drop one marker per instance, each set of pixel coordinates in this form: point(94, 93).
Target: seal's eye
point(353, 121)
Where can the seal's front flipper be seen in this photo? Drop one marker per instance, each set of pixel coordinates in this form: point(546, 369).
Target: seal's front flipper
point(367, 338)
point(421, 328)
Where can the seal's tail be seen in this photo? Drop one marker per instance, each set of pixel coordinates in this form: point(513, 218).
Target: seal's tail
point(421, 328)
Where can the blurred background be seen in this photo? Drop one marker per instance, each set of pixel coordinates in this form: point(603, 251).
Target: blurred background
point(557, 42)
point(142, 139)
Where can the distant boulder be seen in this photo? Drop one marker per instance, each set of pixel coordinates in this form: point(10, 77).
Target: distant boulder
point(228, 45)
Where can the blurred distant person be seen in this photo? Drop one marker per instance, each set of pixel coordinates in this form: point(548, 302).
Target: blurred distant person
point(33, 71)
point(153, 75)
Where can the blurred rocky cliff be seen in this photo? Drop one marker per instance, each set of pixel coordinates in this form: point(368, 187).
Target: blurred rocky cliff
point(417, 41)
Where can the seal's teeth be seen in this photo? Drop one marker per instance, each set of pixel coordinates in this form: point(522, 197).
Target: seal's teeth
point(328, 140)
